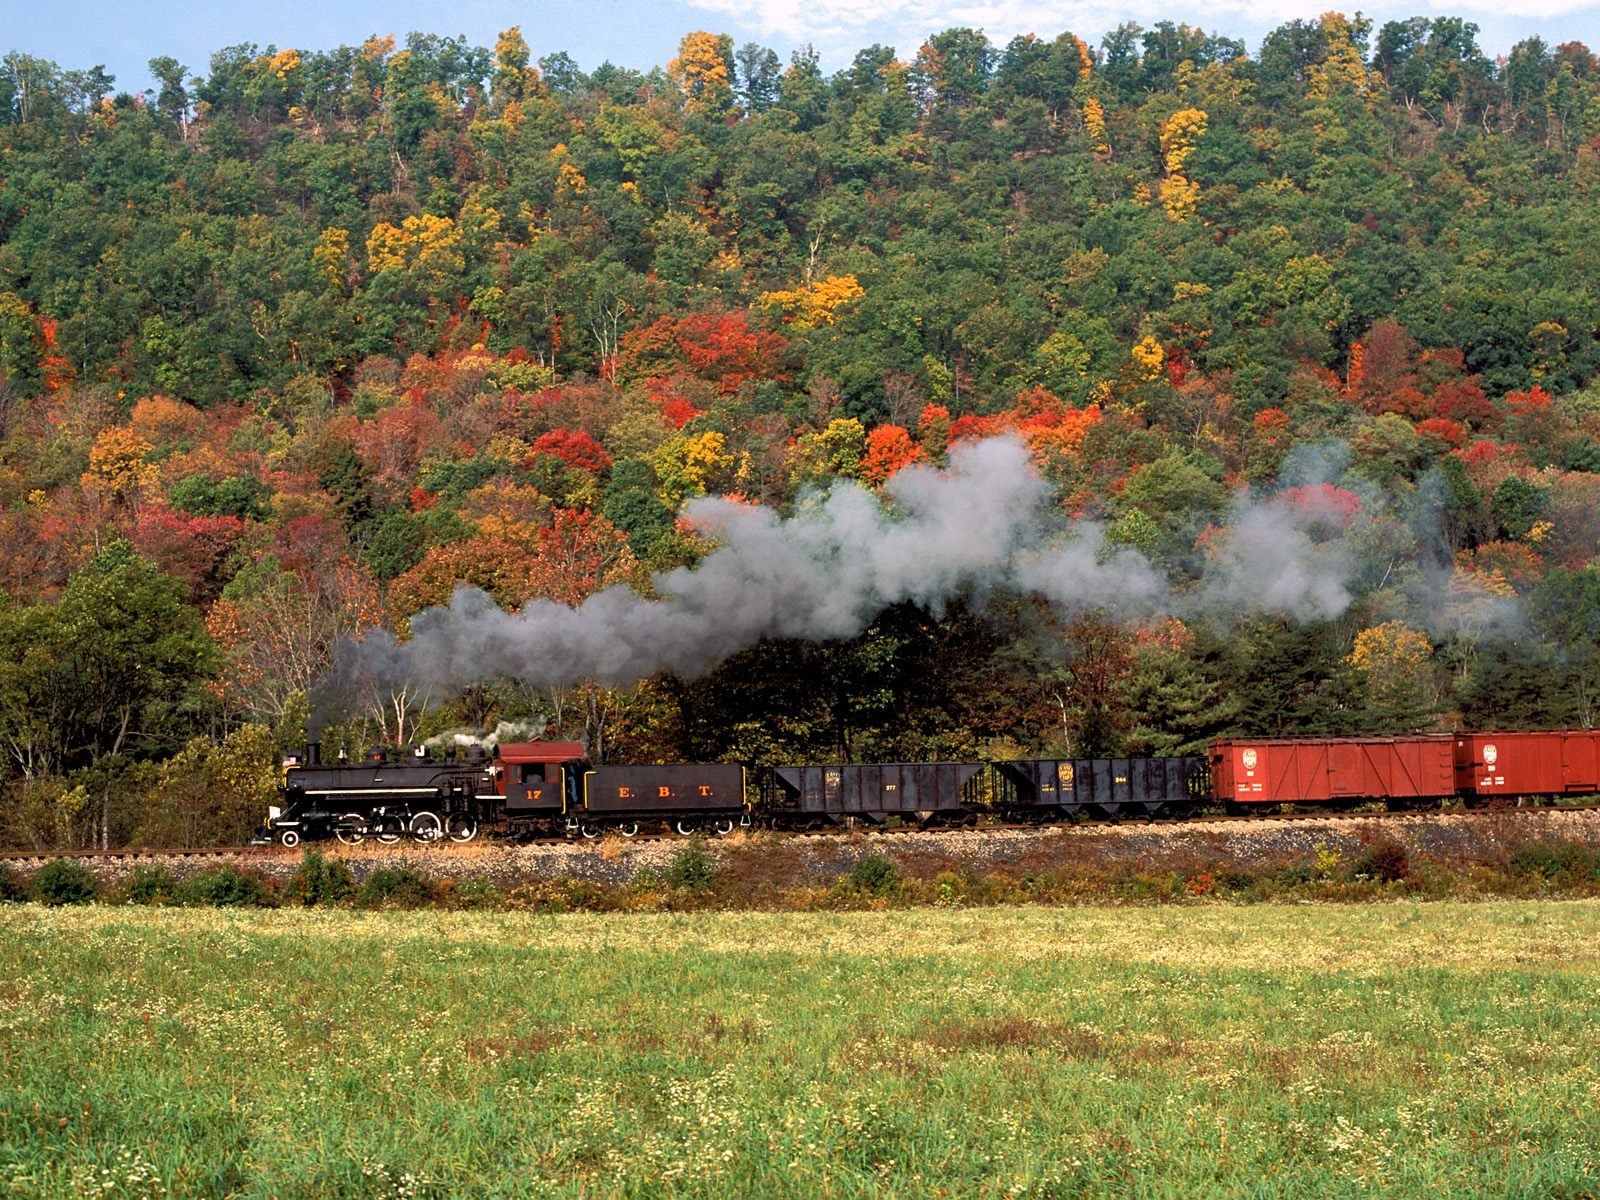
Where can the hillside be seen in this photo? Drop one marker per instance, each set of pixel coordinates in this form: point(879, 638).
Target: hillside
point(1246, 393)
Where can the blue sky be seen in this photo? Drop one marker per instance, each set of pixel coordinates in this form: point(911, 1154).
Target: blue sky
point(125, 34)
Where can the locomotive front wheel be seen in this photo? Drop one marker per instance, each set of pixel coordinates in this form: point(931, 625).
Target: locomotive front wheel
point(290, 838)
point(629, 829)
point(589, 830)
point(685, 828)
point(350, 828)
point(425, 827)
point(722, 827)
point(462, 827)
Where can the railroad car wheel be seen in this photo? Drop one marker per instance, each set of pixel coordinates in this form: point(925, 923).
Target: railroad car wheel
point(290, 838)
point(350, 828)
point(387, 828)
point(722, 827)
point(461, 827)
point(629, 829)
point(425, 827)
point(590, 830)
point(686, 828)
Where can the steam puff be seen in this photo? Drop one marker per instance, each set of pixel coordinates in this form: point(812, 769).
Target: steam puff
point(844, 556)
point(824, 573)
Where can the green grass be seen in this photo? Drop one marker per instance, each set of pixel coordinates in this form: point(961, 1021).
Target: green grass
point(1401, 1049)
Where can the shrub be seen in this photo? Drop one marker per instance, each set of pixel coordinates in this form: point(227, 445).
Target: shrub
point(320, 880)
point(64, 881)
point(1549, 859)
point(150, 885)
point(226, 887)
point(875, 874)
point(475, 893)
point(395, 887)
point(12, 885)
point(693, 868)
point(1383, 859)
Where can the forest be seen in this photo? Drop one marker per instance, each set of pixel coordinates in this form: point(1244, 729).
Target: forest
point(293, 346)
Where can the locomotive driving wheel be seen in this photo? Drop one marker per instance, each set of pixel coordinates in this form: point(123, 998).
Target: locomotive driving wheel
point(350, 828)
point(290, 838)
point(426, 828)
point(461, 827)
point(386, 827)
point(590, 830)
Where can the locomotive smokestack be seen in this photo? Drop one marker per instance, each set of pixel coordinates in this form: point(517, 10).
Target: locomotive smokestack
point(313, 753)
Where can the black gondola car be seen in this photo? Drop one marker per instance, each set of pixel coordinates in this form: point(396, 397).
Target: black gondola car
point(834, 793)
point(1044, 789)
point(383, 797)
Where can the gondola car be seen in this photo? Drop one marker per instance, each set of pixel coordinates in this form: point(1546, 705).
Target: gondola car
point(1053, 789)
point(810, 797)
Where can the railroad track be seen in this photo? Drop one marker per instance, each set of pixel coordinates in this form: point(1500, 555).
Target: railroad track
point(450, 849)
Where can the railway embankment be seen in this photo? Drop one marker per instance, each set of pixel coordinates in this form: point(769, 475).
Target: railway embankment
point(770, 862)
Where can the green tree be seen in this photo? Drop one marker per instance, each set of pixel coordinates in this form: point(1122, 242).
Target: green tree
point(111, 672)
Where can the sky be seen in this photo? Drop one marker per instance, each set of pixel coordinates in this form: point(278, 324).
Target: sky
point(123, 35)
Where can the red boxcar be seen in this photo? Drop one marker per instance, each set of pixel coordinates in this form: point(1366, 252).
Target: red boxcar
point(1319, 770)
point(1528, 764)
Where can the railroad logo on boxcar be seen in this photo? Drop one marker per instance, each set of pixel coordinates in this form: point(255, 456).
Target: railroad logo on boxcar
point(1249, 760)
point(1064, 774)
point(1490, 753)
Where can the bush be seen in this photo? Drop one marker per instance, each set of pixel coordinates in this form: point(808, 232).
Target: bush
point(875, 874)
point(395, 887)
point(1549, 859)
point(320, 880)
point(226, 887)
point(1383, 859)
point(477, 893)
point(693, 868)
point(150, 885)
point(12, 885)
point(64, 881)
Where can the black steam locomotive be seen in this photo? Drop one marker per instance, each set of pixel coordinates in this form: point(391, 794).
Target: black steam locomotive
point(529, 789)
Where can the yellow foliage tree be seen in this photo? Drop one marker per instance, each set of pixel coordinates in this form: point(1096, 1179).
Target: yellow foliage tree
point(1094, 124)
point(331, 256)
point(423, 245)
point(119, 462)
point(703, 70)
point(1180, 134)
point(513, 77)
point(693, 465)
point(1392, 661)
point(1147, 358)
point(1344, 69)
point(815, 303)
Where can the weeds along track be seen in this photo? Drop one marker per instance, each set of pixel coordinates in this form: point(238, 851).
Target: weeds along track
point(492, 848)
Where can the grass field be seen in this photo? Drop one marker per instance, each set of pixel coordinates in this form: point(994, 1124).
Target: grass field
point(1401, 1049)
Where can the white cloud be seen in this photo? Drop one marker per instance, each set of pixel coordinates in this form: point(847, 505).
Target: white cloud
point(838, 28)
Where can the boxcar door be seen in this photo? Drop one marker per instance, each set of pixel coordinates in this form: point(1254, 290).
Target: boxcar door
point(1578, 765)
point(1347, 770)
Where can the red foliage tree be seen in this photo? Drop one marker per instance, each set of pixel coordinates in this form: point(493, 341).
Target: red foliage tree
point(574, 448)
point(190, 548)
point(720, 348)
point(889, 447)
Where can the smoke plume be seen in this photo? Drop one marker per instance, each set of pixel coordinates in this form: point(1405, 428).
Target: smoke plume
point(983, 522)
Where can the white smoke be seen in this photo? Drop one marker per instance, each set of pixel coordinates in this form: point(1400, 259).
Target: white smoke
point(982, 523)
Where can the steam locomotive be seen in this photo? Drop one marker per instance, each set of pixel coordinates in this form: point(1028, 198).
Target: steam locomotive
point(527, 789)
